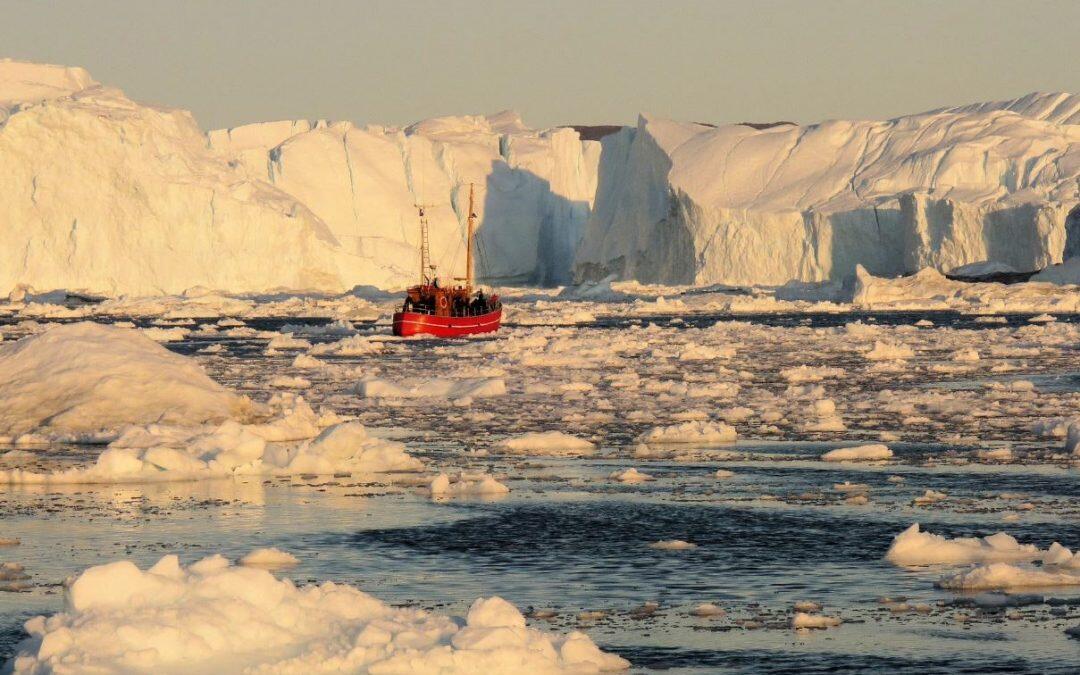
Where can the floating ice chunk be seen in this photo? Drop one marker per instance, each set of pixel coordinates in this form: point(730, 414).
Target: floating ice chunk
point(736, 414)
point(723, 473)
point(269, 558)
point(287, 341)
point(706, 353)
point(466, 485)
point(690, 432)
point(831, 423)
point(339, 327)
point(860, 453)
point(672, 545)
point(164, 334)
point(305, 362)
point(552, 443)
point(707, 609)
point(1061, 556)
point(982, 268)
point(799, 374)
point(1042, 318)
point(967, 355)
point(930, 497)
point(214, 617)
point(813, 621)
point(630, 475)
point(286, 382)
point(885, 351)
point(1003, 575)
point(84, 377)
point(1014, 385)
point(914, 547)
point(848, 486)
point(12, 571)
point(158, 453)
point(357, 345)
point(346, 447)
point(995, 454)
point(476, 387)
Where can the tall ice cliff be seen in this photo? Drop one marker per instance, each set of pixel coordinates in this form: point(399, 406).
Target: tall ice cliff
point(693, 204)
point(100, 193)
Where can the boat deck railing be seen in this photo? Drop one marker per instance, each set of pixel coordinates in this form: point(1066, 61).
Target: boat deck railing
point(469, 312)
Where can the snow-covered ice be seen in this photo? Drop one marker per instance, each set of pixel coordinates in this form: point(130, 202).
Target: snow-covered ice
point(375, 387)
point(212, 617)
point(859, 453)
point(690, 432)
point(915, 547)
point(555, 443)
point(87, 377)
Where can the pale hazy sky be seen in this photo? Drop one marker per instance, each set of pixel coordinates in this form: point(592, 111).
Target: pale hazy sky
point(555, 61)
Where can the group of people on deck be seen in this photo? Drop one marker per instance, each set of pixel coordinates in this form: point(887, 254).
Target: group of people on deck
point(460, 305)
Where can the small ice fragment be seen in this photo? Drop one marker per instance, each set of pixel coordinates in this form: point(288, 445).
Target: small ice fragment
point(803, 620)
point(707, 609)
point(630, 475)
point(269, 558)
point(858, 453)
point(672, 545)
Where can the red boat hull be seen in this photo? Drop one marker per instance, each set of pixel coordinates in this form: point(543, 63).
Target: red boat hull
point(414, 323)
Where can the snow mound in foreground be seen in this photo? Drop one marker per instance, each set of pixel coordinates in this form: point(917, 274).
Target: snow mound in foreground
point(212, 617)
point(85, 377)
point(554, 443)
point(914, 547)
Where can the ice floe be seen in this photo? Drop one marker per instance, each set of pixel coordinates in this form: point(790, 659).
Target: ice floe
point(213, 617)
point(465, 485)
point(164, 453)
point(375, 387)
point(859, 453)
point(690, 432)
point(553, 443)
point(915, 547)
point(87, 377)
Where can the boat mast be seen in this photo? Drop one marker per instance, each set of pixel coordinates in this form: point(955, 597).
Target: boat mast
point(425, 245)
point(469, 242)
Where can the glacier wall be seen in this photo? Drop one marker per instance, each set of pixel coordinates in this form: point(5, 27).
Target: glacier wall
point(103, 194)
point(534, 191)
point(735, 204)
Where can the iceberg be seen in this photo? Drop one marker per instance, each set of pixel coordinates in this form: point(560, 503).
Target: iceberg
point(694, 204)
point(105, 196)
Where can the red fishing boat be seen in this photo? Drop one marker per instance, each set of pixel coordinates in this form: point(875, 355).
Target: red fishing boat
point(447, 311)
